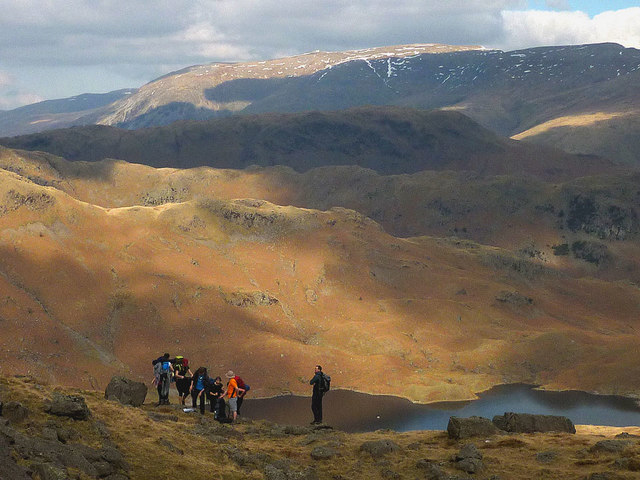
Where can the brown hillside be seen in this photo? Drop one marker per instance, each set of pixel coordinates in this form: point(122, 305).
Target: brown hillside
point(587, 226)
point(269, 290)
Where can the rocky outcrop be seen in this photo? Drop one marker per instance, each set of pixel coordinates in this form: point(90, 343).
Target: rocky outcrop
point(126, 391)
point(15, 412)
point(49, 458)
point(611, 446)
point(253, 299)
point(378, 448)
point(323, 452)
point(529, 423)
point(461, 427)
point(72, 406)
point(468, 459)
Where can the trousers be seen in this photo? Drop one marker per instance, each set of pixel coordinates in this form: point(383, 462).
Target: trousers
point(316, 407)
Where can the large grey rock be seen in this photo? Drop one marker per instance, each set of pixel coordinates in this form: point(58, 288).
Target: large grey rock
point(529, 423)
point(126, 391)
point(72, 406)
point(466, 427)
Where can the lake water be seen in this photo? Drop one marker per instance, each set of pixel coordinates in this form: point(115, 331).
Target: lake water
point(358, 412)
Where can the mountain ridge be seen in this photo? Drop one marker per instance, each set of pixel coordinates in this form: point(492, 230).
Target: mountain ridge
point(390, 140)
point(508, 92)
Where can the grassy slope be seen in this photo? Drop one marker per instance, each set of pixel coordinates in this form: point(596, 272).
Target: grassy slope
point(198, 446)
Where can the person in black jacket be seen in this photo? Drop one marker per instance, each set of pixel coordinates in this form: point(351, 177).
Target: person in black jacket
point(316, 397)
point(199, 386)
point(214, 394)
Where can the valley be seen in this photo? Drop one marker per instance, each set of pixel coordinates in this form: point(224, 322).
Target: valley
point(394, 234)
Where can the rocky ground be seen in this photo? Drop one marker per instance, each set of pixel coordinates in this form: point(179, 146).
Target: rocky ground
point(50, 433)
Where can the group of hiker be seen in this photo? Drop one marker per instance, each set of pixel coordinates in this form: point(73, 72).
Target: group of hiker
point(202, 388)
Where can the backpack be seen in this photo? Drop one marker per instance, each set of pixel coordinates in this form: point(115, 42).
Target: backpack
point(166, 367)
point(325, 383)
point(241, 383)
point(181, 366)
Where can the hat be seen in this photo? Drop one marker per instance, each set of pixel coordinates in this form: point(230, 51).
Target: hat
point(229, 374)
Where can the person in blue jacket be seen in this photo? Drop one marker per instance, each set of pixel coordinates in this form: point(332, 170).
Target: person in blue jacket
point(199, 387)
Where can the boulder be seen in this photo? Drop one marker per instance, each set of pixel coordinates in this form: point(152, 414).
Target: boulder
point(126, 391)
point(605, 476)
point(611, 446)
point(72, 406)
point(377, 448)
point(15, 412)
point(548, 456)
point(47, 471)
point(163, 442)
point(323, 453)
point(461, 427)
point(431, 470)
point(9, 469)
point(529, 423)
point(468, 459)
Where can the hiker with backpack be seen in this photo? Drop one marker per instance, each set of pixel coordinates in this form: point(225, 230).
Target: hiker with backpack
point(162, 373)
point(232, 393)
point(182, 375)
point(199, 385)
point(321, 385)
point(243, 388)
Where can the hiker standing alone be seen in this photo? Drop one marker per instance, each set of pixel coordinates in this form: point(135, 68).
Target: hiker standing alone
point(320, 383)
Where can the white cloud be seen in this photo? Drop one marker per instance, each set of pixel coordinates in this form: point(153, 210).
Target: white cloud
point(535, 28)
point(12, 97)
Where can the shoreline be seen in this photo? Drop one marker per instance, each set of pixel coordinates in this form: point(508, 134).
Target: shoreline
point(478, 395)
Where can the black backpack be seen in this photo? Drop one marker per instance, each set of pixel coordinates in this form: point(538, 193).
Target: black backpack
point(325, 383)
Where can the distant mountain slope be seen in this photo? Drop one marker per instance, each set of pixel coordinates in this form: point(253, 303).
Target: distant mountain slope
point(503, 90)
point(79, 110)
point(389, 140)
point(612, 135)
point(508, 92)
point(180, 95)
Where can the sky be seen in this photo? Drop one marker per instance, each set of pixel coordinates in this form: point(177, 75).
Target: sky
point(60, 48)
